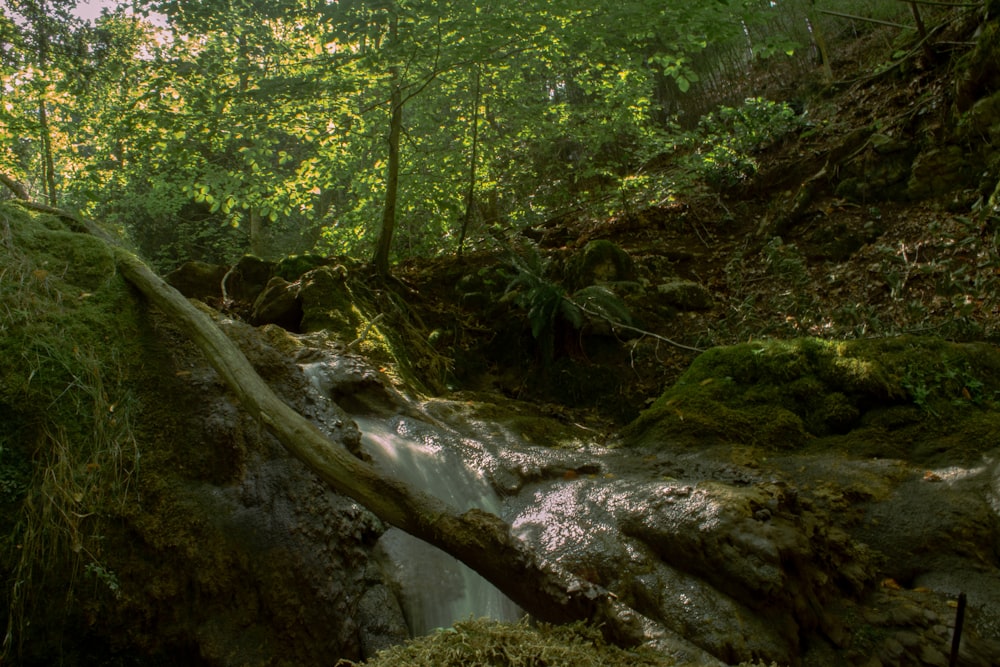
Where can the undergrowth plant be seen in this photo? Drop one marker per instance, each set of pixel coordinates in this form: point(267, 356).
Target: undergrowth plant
point(547, 302)
point(484, 642)
point(728, 140)
point(68, 453)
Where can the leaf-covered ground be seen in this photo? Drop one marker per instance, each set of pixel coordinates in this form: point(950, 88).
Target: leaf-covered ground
point(845, 230)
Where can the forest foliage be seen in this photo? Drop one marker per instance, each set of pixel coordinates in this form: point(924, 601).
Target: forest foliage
point(213, 128)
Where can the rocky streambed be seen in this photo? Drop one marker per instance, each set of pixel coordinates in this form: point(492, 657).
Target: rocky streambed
point(803, 501)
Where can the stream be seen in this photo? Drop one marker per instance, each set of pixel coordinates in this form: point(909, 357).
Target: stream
point(434, 589)
point(746, 554)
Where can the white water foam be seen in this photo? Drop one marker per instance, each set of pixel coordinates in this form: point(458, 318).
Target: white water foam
point(435, 590)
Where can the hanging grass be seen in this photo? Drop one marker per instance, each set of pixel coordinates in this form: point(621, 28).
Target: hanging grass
point(486, 643)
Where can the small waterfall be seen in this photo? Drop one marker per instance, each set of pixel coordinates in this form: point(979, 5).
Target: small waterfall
point(435, 589)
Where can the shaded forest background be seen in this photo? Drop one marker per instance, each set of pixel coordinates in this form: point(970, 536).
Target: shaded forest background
point(396, 130)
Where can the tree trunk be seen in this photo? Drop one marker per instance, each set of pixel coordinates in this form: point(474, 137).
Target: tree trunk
point(48, 162)
point(479, 539)
point(384, 244)
point(470, 195)
point(257, 246)
point(20, 192)
point(817, 34)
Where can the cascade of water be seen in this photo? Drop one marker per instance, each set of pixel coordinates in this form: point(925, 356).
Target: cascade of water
point(435, 589)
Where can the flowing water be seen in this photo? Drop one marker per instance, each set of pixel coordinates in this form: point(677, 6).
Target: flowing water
point(435, 590)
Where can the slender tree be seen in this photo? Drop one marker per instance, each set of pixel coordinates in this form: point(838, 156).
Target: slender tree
point(470, 193)
point(383, 246)
point(48, 40)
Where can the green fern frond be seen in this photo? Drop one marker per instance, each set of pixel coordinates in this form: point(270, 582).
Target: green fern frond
point(571, 313)
point(600, 301)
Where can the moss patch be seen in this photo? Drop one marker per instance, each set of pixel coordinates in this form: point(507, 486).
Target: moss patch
point(907, 396)
point(71, 353)
point(483, 643)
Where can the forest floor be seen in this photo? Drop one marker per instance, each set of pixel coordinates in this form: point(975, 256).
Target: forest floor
point(787, 252)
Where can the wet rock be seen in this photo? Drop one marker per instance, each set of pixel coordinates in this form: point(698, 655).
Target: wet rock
point(236, 550)
point(380, 620)
point(278, 304)
point(692, 608)
point(685, 295)
point(197, 280)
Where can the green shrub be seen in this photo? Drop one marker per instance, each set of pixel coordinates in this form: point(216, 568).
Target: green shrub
point(728, 140)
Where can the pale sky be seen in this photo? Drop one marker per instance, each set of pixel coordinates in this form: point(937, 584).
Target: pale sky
point(90, 10)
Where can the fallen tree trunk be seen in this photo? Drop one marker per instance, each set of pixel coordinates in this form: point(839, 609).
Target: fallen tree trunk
point(479, 539)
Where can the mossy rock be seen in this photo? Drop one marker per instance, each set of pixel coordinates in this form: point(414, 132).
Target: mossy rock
point(60, 256)
point(984, 115)
point(937, 171)
point(685, 295)
point(71, 348)
point(328, 304)
point(485, 642)
point(293, 267)
point(920, 392)
point(599, 263)
point(247, 279)
point(197, 280)
point(278, 304)
point(977, 71)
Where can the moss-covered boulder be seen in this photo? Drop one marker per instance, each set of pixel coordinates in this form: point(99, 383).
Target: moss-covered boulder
point(219, 548)
point(937, 171)
point(247, 278)
point(599, 263)
point(197, 280)
point(907, 397)
point(984, 118)
point(291, 268)
point(329, 305)
point(978, 74)
point(278, 304)
point(685, 295)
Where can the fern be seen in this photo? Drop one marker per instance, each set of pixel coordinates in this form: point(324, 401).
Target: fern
point(547, 302)
point(599, 301)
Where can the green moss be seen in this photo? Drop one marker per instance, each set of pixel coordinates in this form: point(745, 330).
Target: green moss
point(599, 262)
point(291, 268)
point(65, 310)
point(779, 394)
point(69, 351)
point(483, 643)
